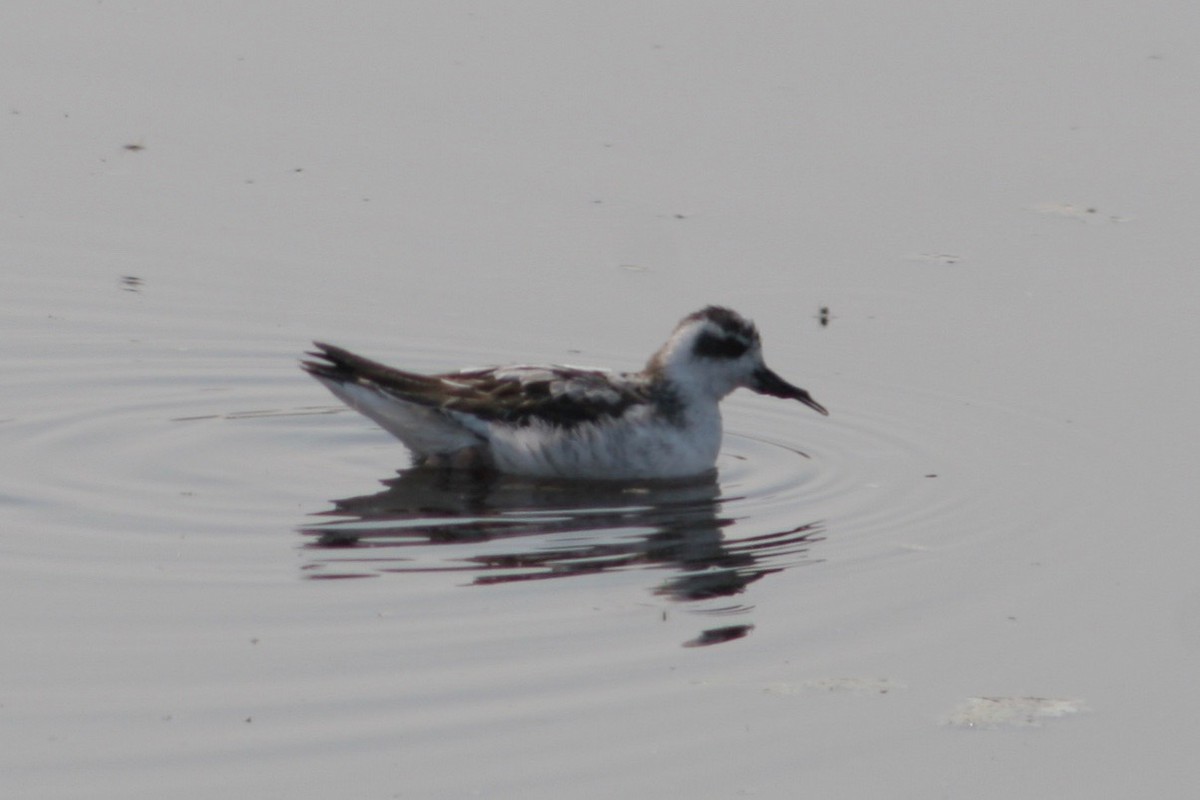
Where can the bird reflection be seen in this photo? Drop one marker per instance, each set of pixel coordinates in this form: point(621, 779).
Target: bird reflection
point(501, 529)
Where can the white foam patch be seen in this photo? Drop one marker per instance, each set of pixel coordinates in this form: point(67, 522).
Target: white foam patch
point(1011, 712)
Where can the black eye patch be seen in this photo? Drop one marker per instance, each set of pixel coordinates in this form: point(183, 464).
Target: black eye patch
point(710, 345)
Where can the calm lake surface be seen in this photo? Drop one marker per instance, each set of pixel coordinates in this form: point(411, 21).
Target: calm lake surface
point(970, 235)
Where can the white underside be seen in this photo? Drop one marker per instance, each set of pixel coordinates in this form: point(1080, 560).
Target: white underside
point(426, 431)
point(637, 445)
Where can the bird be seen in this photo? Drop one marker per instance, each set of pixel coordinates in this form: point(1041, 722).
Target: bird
point(662, 422)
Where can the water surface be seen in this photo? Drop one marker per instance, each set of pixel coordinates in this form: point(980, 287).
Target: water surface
point(979, 259)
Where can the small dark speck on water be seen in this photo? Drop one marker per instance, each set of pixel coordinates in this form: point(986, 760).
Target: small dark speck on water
point(823, 316)
point(135, 147)
point(931, 475)
point(131, 283)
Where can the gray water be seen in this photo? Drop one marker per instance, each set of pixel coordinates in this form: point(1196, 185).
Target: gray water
point(975, 578)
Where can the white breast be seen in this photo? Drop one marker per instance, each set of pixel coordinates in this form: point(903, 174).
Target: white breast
point(638, 445)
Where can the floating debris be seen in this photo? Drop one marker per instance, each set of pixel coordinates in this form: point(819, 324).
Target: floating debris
point(1089, 214)
point(131, 283)
point(1011, 712)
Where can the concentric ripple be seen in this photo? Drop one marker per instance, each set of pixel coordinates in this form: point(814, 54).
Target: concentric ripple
point(123, 459)
point(121, 451)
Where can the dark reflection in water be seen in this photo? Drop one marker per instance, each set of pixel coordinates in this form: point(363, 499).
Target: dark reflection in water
point(500, 529)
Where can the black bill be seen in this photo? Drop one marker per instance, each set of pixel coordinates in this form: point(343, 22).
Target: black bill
point(767, 382)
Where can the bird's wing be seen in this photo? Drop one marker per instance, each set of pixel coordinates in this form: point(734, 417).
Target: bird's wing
point(559, 396)
point(518, 395)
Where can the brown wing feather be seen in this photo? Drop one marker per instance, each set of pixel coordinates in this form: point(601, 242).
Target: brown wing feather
point(520, 396)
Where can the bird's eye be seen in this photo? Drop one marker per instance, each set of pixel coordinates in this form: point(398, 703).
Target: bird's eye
point(711, 345)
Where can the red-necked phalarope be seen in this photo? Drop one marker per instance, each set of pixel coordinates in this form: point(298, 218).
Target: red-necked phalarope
point(567, 422)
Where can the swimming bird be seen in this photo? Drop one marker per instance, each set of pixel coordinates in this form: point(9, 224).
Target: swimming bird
point(568, 422)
